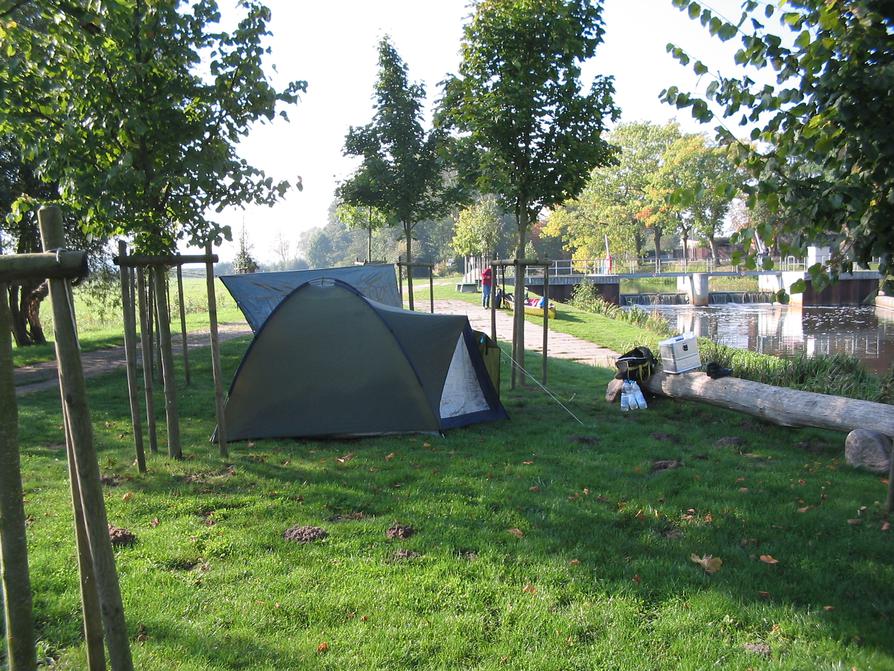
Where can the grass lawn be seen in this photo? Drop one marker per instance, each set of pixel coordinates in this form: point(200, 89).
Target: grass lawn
point(539, 543)
point(100, 321)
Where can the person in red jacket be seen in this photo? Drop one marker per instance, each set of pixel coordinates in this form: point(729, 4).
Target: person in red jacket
point(486, 283)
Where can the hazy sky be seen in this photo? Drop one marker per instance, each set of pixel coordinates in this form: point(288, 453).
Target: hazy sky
point(332, 45)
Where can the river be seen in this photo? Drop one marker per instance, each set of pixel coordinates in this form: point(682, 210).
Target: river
point(779, 329)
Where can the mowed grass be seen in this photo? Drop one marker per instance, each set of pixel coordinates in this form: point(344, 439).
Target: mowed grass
point(100, 323)
point(542, 544)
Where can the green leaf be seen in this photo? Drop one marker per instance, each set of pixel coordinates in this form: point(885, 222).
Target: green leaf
point(798, 287)
point(694, 10)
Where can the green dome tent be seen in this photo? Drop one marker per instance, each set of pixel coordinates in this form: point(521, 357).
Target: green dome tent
point(329, 361)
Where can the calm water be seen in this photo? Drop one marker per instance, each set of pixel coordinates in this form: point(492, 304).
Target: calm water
point(778, 329)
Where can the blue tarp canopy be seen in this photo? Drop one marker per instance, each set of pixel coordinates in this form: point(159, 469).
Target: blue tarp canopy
point(258, 294)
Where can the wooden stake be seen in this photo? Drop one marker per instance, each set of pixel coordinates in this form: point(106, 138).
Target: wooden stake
point(146, 347)
point(74, 394)
point(493, 303)
point(155, 369)
point(215, 355)
point(16, 584)
point(183, 323)
point(91, 613)
point(545, 319)
point(130, 355)
point(172, 415)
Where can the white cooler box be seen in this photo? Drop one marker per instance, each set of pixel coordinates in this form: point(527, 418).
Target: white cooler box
point(680, 353)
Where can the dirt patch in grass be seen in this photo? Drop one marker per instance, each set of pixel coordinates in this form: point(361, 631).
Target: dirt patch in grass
point(468, 555)
point(305, 534)
point(203, 477)
point(662, 437)
point(399, 531)
point(665, 465)
point(404, 555)
point(121, 537)
point(113, 480)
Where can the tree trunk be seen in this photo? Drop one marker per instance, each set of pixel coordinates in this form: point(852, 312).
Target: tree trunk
point(24, 303)
point(17, 320)
point(713, 250)
point(409, 233)
point(518, 325)
point(685, 249)
point(32, 304)
point(657, 235)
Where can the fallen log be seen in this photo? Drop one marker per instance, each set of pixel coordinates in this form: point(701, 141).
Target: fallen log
point(788, 407)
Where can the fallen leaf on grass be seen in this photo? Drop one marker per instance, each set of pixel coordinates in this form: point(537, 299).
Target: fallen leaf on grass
point(764, 595)
point(154, 523)
point(804, 509)
point(828, 608)
point(527, 463)
point(530, 589)
point(127, 497)
point(322, 648)
point(574, 562)
point(886, 526)
point(637, 579)
point(426, 444)
point(389, 456)
point(707, 562)
point(855, 522)
point(743, 490)
point(534, 489)
point(515, 531)
point(345, 458)
point(709, 518)
point(769, 559)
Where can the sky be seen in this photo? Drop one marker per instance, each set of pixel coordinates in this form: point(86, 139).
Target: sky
point(332, 45)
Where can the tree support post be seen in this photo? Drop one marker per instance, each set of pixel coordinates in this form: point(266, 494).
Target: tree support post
point(130, 355)
point(74, 394)
point(146, 351)
point(16, 583)
point(545, 320)
point(172, 415)
point(493, 302)
point(431, 287)
point(91, 612)
point(215, 353)
point(183, 323)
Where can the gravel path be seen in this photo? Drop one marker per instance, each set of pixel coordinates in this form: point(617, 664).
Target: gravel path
point(41, 376)
point(561, 345)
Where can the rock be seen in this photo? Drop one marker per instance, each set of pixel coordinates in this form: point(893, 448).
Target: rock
point(868, 450)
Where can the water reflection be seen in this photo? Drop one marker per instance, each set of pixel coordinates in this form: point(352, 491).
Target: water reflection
point(782, 329)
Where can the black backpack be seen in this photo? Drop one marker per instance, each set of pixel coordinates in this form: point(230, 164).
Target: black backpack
point(637, 365)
